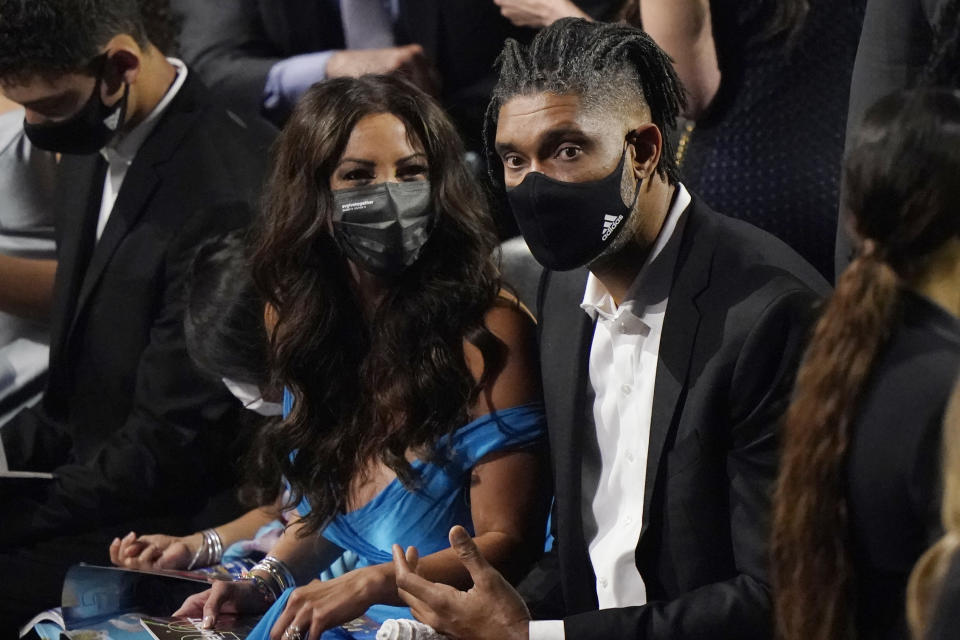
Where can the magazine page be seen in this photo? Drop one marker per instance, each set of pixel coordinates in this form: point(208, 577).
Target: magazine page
point(92, 594)
point(232, 628)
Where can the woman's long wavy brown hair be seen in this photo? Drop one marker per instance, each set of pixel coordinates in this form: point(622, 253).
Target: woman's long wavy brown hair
point(902, 175)
point(368, 389)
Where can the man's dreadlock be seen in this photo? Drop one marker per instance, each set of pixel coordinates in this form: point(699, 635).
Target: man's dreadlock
point(602, 63)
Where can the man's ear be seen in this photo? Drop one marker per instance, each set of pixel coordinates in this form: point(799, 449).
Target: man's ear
point(647, 143)
point(122, 67)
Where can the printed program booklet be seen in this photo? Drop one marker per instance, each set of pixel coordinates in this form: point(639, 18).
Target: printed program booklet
point(113, 603)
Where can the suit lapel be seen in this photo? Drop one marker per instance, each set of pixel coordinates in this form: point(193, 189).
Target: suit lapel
point(78, 205)
point(678, 340)
point(565, 339)
point(139, 185)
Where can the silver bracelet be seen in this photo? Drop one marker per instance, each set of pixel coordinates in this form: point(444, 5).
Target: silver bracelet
point(278, 571)
point(210, 550)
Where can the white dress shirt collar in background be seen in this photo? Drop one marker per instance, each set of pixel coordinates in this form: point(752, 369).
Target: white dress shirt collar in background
point(123, 149)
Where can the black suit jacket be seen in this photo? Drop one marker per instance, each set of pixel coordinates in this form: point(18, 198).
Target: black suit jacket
point(129, 425)
point(234, 44)
point(735, 325)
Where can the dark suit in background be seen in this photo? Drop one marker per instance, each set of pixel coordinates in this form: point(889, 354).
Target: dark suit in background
point(894, 460)
point(233, 45)
point(138, 438)
point(734, 329)
point(895, 44)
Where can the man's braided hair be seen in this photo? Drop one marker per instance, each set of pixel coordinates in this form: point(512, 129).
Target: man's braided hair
point(605, 64)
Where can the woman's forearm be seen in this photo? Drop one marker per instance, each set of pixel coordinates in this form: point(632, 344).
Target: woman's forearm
point(500, 549)
point(684, 29)
point(246, 526)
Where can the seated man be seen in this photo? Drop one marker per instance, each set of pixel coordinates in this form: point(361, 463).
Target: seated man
point(133, 433)
point(666, 362)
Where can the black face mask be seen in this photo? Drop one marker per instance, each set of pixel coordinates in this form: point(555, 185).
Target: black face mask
point(86, 131)
point(569, 224)
point(383, 227)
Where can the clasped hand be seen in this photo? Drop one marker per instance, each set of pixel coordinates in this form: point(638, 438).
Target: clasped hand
point(490, 610)
point(155, 551)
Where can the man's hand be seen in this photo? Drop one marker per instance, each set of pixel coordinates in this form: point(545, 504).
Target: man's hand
point(491, 610)
point(408, 61)
point(538, 13)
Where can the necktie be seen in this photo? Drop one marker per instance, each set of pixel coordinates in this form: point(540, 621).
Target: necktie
point(367, 24)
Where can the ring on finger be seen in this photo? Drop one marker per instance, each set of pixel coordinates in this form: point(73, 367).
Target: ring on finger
point(293, 633)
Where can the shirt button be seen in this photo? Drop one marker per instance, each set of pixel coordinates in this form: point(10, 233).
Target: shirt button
point(628, 520)
point(603, 583)
point(630, 456)
point(626, 389)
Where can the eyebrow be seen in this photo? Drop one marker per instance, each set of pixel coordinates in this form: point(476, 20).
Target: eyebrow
point(371, 163)
point(548, 140)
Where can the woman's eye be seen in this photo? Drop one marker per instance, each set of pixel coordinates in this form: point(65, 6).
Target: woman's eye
point(413, 172)
point(357, 175)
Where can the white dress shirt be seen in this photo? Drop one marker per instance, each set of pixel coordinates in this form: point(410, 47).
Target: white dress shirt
point(123, 149)
point(623, 363)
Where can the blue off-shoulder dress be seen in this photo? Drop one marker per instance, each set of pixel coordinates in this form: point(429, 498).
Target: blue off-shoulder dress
point(422, 516)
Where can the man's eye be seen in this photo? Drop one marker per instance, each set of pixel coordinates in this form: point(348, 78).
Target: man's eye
point(568, 152)
point(512, 162)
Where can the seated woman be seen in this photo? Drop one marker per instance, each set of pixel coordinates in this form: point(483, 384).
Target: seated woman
point(858, 495)
point(413, 396)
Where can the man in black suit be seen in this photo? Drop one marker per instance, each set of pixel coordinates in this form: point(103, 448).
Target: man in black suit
point(136, 437)
point(666, 362)
point(261, 55)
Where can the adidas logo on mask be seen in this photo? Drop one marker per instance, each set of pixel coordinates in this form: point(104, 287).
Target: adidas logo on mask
point(609, 224)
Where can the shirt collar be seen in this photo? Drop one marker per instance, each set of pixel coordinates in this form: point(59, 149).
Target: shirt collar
point(597, 300)
point(124, 148)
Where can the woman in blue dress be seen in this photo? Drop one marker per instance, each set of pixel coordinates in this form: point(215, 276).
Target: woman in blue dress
point(413, 399)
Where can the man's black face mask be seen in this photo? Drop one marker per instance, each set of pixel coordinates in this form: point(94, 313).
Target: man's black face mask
point(569, 224)
point(86, 131)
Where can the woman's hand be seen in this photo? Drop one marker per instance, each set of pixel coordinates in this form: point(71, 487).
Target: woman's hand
point(538, 13)
point(319, 606)
point(155, 551)
point(236, 597)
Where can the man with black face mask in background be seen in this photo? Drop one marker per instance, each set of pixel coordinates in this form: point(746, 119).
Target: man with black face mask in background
point(135, 436)
point(669, 336)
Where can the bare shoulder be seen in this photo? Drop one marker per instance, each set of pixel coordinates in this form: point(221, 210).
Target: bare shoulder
point(517, 381)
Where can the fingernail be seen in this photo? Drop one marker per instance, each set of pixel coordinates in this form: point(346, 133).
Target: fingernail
point(208, 622)
point(130, 536)
point(116, 541)
point(459, 535)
